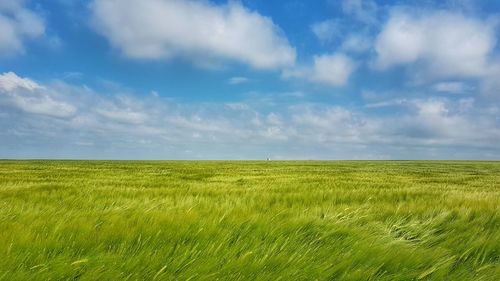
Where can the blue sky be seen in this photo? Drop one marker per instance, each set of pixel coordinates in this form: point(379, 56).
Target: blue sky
point(251, 79)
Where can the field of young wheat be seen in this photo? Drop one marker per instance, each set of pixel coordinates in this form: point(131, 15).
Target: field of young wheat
point(249, 220)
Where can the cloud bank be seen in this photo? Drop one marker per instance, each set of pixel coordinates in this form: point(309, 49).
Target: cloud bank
point(65, 119)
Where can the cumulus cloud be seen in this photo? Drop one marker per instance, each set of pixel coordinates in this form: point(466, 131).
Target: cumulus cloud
point(441, 121)
point(196, 30)
point(356, 43)
point(28, 96)
point(332, 69)
point(443, 44)
point(18, 24)
point(329, 69)
point(362, 10)
point(326, 30)
point(9, 82)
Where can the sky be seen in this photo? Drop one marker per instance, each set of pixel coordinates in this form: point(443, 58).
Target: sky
point(250, 79)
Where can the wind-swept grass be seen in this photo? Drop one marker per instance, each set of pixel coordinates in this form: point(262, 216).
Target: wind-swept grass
point(249, 220)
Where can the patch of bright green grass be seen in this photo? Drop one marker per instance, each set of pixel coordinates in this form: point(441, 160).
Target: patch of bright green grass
point(250, 220)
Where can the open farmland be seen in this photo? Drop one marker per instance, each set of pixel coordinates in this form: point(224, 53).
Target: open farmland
point(249, 220)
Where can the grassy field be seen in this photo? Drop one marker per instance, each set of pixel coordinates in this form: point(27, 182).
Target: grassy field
point(304, 220)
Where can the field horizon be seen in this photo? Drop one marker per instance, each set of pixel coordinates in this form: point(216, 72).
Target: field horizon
point(249, 220)
point(250, 160)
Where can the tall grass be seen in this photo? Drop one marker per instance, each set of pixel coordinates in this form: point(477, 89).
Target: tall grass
point(249, 220)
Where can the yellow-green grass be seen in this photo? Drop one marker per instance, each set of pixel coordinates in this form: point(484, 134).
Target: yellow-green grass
point(249, 220)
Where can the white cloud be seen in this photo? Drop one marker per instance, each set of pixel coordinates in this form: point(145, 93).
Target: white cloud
point(122, 109)
point(362, 10)
point(453, 87)
point(332, 69)
point(356, 43)
point(325, 30)
point(441, 122)
point(330, 124)
point(386, 103)
point(237, 80)
point(329, 69)
point(197, 30)
point(444, 44)
point(17, 25)
point(274, 119)
point(437, 122)
point(27, 95)
point(123, 116)
point(9, 82)
point(43, 105)
point(490, 84)
point(128, 126)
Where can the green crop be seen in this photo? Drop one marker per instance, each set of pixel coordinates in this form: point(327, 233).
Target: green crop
point(249, 220)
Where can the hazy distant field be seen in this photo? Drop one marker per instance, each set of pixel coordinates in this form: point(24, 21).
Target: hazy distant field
point(105, 220)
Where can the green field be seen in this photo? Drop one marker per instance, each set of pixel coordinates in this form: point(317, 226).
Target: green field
point(249, 220)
